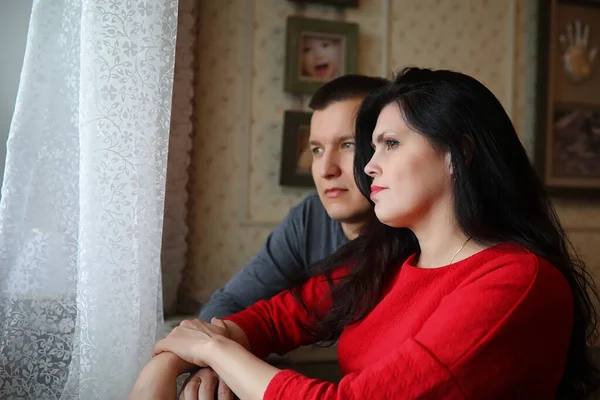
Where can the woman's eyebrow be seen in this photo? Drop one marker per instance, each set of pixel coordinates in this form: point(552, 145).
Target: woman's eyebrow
point(379, 138)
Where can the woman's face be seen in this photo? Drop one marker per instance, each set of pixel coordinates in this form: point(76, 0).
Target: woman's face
point(411, 178)
point(320, 57)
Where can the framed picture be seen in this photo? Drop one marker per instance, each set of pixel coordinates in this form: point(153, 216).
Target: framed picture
point(567, 150)
point(318, 51)
point(336, 3)
point(296, 158)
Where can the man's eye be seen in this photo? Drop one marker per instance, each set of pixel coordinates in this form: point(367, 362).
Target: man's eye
point(348, 145)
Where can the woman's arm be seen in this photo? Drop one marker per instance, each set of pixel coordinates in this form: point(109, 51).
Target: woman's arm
point(204, 345)
point(246, 375)
point(278, 325)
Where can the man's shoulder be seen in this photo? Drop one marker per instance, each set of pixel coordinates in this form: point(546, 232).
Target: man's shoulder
point(319, 234)
point(309, 218)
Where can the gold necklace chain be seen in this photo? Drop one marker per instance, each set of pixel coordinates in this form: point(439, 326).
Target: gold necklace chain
point(458, 251)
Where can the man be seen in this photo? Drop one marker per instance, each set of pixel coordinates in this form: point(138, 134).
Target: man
point(315, 228)
point(323, 221)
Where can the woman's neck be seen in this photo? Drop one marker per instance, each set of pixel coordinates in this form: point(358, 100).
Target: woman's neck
point(442, 242)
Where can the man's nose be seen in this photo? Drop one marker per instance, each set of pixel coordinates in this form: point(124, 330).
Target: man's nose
point(330, 166)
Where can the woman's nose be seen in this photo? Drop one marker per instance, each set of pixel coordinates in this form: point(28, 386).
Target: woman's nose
point(372, 168)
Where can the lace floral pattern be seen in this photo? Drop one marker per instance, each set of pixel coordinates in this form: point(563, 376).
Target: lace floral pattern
point(82, 203)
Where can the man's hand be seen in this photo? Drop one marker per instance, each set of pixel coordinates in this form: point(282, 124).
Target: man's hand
point(203, 385)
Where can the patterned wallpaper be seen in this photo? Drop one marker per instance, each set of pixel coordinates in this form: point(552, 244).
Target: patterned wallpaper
point(175, 225)
point(235, 198)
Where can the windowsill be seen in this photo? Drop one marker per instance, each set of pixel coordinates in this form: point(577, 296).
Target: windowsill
point(309, 354)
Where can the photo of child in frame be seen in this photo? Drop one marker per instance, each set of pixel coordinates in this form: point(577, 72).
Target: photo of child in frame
point(318, 51)
point(321, 56)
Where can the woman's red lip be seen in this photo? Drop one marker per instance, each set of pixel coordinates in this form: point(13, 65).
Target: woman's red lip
point(375, 190)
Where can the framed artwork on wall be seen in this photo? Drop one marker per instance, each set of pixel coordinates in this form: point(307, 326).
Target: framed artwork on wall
point(567, 150)
point(318, 51)
point(296, 158)
point(336, 3)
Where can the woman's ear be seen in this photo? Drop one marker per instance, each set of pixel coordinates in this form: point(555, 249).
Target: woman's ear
point(449, 163)
point(468, 150)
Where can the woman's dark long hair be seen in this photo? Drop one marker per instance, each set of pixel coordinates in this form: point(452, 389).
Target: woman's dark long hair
point(498, 198)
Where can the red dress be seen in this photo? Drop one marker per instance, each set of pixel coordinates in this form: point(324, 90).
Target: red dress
point(496, 325)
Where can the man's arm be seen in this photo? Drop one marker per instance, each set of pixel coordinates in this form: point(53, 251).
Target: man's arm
point(279, 265)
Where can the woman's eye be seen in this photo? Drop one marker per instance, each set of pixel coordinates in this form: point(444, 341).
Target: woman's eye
point(316, 150)
point(391, 144)
point(348, 145)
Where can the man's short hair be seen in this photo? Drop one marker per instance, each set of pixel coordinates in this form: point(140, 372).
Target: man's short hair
point(344, 88)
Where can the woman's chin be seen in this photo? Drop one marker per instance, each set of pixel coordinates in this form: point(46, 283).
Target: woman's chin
point(385, 217)
point(389, 218)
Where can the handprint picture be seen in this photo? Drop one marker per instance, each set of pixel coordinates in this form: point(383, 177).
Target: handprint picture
point(578, 60)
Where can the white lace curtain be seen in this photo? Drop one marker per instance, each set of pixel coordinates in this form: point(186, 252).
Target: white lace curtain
point(82, 202)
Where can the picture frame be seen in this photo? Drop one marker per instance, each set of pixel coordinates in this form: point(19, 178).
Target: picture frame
point(334, 3)
point(567, 121)
point(296, 160)
point(318, 51)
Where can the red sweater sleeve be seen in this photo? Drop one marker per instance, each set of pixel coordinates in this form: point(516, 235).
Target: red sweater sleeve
point(276, 325)
point(491, 338)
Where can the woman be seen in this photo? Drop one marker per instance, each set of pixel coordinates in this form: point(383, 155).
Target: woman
point(463, 288)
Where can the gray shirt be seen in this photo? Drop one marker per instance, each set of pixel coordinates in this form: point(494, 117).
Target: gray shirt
point(306, 235)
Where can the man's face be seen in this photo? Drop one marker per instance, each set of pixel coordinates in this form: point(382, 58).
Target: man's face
point(332, 145)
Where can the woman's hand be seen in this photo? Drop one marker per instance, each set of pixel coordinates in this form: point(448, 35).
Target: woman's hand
point(223, 346)
point(191, 340)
